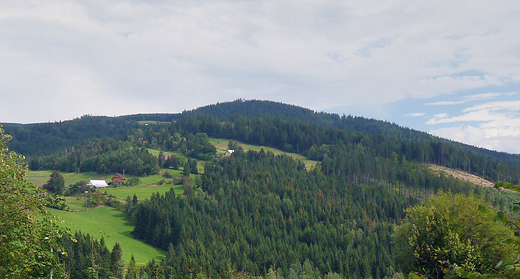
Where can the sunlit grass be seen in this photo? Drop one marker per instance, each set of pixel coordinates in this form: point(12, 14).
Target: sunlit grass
point(114, 226)
point(222, 147)
point(41, 177)
point(143, 193)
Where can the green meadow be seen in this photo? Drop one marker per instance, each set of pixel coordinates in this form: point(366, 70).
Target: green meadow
point(222, 146)
point(112, 225)
point(75, 203)
point(41, 177)
point(143, 193)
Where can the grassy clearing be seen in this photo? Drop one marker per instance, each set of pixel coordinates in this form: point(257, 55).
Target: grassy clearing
point(41, 177)
point(150, 122)
point(147, 185)
point(75, 203)
point(143, 193)
point(222, 146)
point(155, 152)
point(112, 223)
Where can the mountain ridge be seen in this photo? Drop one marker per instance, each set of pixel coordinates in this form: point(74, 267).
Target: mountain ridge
point(234, 109)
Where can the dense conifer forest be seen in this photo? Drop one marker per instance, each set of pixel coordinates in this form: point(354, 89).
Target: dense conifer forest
point(255, 213)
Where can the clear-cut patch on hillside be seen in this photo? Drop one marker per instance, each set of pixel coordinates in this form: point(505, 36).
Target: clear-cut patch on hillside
point(461, 175)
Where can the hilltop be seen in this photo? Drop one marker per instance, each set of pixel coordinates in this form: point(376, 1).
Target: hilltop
point(46, 138)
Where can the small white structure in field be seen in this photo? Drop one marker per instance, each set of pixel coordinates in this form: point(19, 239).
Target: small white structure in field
point(97, 183)
point(229, 152)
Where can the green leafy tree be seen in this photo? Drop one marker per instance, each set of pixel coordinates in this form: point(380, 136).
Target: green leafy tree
point(55, 184)
point(28, 233)
point(448, 235)
point(512, 222)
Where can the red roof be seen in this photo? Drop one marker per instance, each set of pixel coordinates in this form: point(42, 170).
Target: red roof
point(118, 175)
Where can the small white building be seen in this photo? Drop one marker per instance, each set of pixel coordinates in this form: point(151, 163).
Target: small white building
point(229, 152)
point(97, 183)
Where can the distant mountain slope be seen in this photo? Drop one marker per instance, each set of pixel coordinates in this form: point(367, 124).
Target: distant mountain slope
point(353, 123)
point(461, 175)
point(45, 137)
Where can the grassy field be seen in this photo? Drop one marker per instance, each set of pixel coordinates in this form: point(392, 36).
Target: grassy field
point(114, 223)
point(145, 192)
point(222, 146)
point(150, 122)
point(111, 223)
point(41, 177)
point(75, 203)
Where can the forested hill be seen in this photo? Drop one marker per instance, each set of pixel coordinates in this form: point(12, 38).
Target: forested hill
point(258, 108)
point(46, 138)
point(256, 213)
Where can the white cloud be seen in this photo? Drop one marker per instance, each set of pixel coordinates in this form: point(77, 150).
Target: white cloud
point(496, 106)
point(497, 125)
point(467, 99)
point(415, 114)
point(166, 56)
point(494, 139)
point(479, 116)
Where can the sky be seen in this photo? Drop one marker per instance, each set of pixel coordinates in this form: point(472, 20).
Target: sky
point(449, 68)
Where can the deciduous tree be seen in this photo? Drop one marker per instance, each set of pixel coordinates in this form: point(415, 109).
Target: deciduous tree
point(28, 232)
point(449, 232)
point(55, 184)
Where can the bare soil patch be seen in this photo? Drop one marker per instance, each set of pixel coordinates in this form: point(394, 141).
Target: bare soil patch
point(461, 175)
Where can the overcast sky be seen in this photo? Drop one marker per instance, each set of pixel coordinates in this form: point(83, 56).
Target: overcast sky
point(451, 68)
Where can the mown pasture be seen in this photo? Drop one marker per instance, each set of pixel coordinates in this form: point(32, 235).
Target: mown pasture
point(112, 225)
point(145, 192)
point(41, 177)
point(222, 147)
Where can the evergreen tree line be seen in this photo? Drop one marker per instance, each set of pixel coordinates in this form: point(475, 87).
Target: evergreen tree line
point(86, 257)
point(291, 128)
point(48, 138)
point(257, 108)
point(106, 155)
point(194, 145)
point(318, 141)
point(256, 211)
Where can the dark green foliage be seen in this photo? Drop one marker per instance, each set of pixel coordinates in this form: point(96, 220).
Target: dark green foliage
point(46, 138)
point(259, 214)
point(255, 210)
point(260, 210)
point(103, 156)
point(318, 141)
point(76, 188)
point(55, 184)
point(85, 256)
point(174, 162)
point(290, 128)
point(167, 174)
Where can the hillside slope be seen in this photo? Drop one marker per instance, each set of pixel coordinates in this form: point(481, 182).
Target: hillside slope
point(457, 174)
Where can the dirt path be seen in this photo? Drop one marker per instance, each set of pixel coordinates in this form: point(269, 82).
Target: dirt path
point(461, 175)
